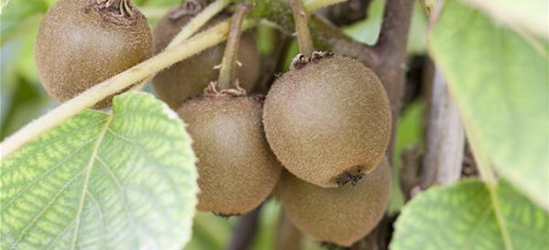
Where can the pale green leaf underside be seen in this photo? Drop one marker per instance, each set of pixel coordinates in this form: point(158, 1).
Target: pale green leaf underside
point(462, 216)
point(530, 15)
point(99, 181)
point(501, 85)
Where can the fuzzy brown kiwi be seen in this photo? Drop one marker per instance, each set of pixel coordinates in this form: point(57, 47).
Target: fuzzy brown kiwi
point(328, 121)
point(190, 77)
point(340, 215)
point(81, 43)
point(236, 167)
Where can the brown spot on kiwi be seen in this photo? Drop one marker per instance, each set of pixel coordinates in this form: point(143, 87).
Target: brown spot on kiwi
point(353, 176)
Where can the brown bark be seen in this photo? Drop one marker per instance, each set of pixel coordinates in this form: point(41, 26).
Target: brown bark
point(444, 137)
point(245, 231)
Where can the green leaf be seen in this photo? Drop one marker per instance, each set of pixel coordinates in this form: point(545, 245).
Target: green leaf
point(124, 180)
point(463, 216)
point(500, 82)
point(530, 16)
point(367, 30)
point(409, 134)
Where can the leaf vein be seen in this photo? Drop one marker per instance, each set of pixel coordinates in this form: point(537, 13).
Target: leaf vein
point(89, 169)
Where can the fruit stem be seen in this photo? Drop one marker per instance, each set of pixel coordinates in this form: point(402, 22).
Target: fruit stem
point(227, 74)
point(90, 97)
point(304, 39)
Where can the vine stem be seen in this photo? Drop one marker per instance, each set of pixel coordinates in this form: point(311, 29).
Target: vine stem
point(227, 74)
point(444, 137)
point(304, 39)
point(195, 45)
point(317, 4)
point(245, 230)
point(310, 6)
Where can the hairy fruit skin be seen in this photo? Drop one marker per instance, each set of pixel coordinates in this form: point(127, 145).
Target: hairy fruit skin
point(80, 45)
point(236, 167)
point(329, 121)
point(190, 77)
point(340, 215)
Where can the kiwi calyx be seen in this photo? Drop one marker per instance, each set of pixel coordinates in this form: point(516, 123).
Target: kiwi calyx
point(353, 176)
point(188, 8)
point(301, 60)
point(225, 216)
point(121, 12)
point(212, 91)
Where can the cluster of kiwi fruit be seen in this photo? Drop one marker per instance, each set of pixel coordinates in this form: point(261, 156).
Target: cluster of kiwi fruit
point(326, 121)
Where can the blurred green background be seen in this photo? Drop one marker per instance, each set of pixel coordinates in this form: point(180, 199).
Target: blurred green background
point(23, 99)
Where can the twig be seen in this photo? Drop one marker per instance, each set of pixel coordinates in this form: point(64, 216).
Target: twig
point(444, 139)
point(288, 237)
point(116, 84)
point(245, 230)
point(410, 172)
point(328, 35)
point(379, 238)
point(193, 26)
point(391, 46)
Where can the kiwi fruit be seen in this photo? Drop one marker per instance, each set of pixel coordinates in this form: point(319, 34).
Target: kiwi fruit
point(190, 77)
point(328, 120)
point(81, 43)
point(236, 167)
point(342, 215)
